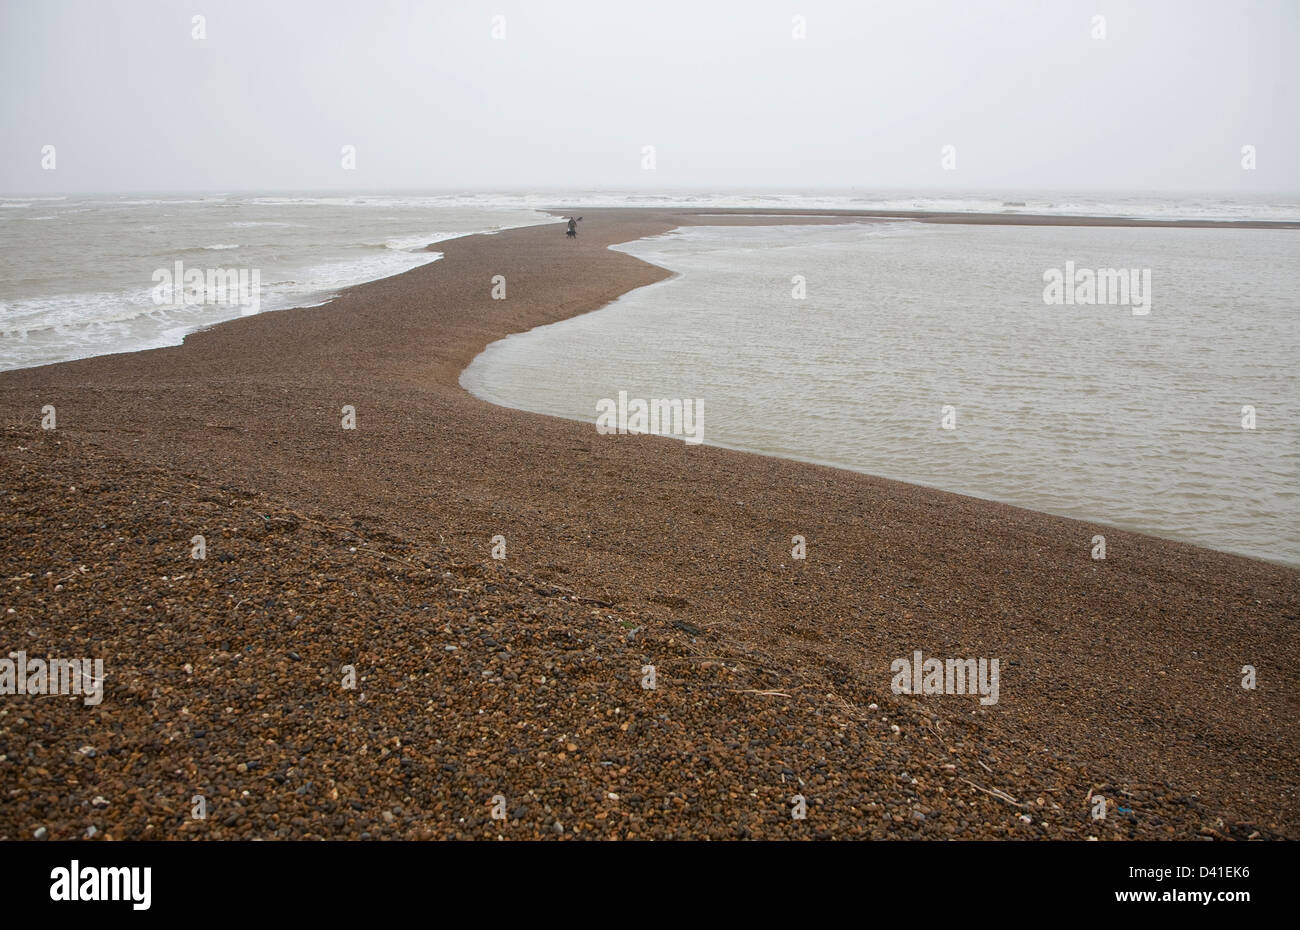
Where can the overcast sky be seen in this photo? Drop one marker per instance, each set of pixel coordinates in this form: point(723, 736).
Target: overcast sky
point(1025, 94)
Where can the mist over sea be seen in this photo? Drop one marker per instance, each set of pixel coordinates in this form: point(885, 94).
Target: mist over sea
point(1086, 411)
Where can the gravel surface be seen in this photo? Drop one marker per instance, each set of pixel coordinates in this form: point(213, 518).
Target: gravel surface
point(478, 678)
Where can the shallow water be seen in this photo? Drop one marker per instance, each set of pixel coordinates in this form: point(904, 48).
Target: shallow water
point(1087, 411)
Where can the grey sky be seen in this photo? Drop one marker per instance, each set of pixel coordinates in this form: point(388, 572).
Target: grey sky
point(1025, 94)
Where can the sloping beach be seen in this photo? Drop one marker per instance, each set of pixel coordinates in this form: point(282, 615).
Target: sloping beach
point(523, 678)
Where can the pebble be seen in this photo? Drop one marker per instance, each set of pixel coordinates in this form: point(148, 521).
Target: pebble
point(562, 727)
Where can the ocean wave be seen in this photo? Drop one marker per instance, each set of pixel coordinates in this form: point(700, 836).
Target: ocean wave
point(416, 243)
point(46, 315)
point(164, 203)
point(65, 312)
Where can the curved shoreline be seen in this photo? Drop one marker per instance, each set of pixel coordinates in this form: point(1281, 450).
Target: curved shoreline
point(774, 217)
point(1125, 669)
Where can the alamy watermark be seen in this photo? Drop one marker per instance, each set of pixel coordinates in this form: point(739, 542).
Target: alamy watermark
point(1122, 286)
point(946, 676)
point(76, 882)
point(660, 417)
point(180, 286)
point(21, 675)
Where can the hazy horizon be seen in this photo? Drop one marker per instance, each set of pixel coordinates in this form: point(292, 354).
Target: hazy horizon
point(1029, 96)
point(930, 193)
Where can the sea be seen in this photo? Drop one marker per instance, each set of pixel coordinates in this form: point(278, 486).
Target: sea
point(932, 354)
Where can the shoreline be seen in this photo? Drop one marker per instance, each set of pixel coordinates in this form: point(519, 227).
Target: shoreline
point(957, 218)
point(692, 546)
point(821, 216)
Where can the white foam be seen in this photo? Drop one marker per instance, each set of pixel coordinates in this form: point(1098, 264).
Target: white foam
point(303, 257)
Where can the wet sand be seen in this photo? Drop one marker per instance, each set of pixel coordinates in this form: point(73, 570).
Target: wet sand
point(1119, 677)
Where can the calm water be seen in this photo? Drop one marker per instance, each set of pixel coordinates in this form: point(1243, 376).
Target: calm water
point(1084, 411)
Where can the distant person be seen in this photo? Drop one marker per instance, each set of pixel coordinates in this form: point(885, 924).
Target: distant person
point(573, 228)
